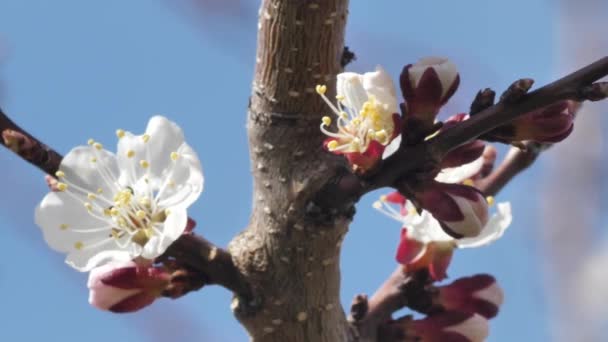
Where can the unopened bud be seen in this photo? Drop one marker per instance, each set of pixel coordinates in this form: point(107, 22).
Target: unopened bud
point(427, 85)
point(461, 210)
point(125, 286)
point(549, 124)
point(447, 326)
point(478, 294)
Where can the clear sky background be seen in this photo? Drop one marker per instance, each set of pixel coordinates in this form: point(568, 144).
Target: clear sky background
point(73, 69)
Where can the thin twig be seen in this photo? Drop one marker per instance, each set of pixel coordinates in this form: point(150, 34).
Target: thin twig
point(27, 147)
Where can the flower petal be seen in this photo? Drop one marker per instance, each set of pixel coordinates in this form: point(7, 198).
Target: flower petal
point(65, 221)
point(185, 177)
point(89, 168)
point(350, 85)
point(86, 259)
point(173, 227)
point(460, 173)
point(494, 229)
point(379, 84)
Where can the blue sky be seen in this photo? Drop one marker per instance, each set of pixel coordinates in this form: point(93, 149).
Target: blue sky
point(75, 70)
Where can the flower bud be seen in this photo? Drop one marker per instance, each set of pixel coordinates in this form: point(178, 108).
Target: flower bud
point(447, 326)
point(549, 124)
point(478, 294)
point(461, 210)
point(427, 85)
point(125, 286)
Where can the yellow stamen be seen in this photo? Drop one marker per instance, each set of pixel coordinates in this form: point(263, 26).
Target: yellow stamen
point(107, 212)
point(144, 164)
point(90, 142)
point(78, 245)
point(98, 146)
point(326, 120)
point(340, 97)
point(91, 197)
point(63, 226)
point(321, 89)
point(383, 198)
point(377, 205)
point(120, 133)
point(174, 156)
point(140, 214)
point(59, 174)
point(167, 212)
point(88, 205)
point(490, 200)
point(145, 138)
point(100, 191)
point(468, 182)
point(62, 186)
point(344, 115)
point(114, 212)
point(130, 153)
point(332, 145)
point(145, 201)
point(93, 160)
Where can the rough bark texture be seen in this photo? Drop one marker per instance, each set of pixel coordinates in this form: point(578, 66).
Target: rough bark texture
point(290, 251)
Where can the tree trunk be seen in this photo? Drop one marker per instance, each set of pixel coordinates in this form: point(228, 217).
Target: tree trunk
point(290, 251)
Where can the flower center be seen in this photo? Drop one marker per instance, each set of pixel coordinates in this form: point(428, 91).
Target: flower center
point(357, 127)
point(130, 214)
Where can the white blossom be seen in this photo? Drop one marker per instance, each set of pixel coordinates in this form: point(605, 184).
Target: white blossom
point(119, 207)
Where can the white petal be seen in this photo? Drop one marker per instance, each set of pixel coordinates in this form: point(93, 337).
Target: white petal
point(392, 147)
point(58, 209)
point(186, 178)
point(427, 229)
point(86, 259)
point(165, 137)
point(460, 173)
point(380, 85)
point(173, 227)
point(494, 229)
point(130, 170)
point(475, 329)
point(83, 167)
point(447, 72)
point(350, 85)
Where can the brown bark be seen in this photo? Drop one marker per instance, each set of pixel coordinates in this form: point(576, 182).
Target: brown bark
point(289, 253)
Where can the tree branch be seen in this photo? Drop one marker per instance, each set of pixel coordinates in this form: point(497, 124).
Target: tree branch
point(27, 147)
point(213, 263)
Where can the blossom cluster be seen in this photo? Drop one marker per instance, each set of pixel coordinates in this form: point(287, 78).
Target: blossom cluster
point(445, 211)
point(113, 214)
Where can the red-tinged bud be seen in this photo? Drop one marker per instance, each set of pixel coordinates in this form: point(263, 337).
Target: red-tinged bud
point(427, 85)
point(549, 124)
point(190, 225)
point(448, 326)
point(463, 154)
point(478, 294)
point(415, 254)
point(461, 210)
point(125, 286)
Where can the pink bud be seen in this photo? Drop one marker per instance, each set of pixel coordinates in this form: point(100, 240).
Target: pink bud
point(477, 294)
point(448, 326)
point(427, 85)
point(462, 210)
point(125, 286)
point(463, 154)
point(549, 124)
